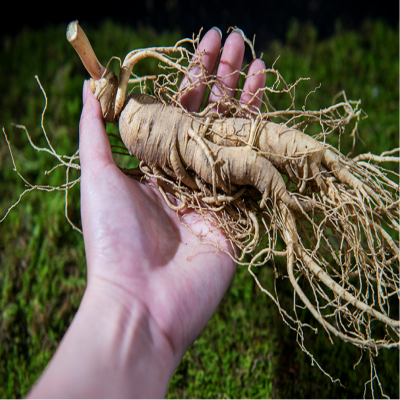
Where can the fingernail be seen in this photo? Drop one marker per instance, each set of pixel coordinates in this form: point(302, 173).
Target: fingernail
point(84, 91)
point(218, 30)
point(258, 60)
point(240, 32)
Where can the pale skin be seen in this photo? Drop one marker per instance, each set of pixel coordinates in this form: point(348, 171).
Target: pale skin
point(151, 288)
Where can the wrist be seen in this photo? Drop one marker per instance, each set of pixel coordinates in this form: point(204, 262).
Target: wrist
point(112, 349)
point(141, 355)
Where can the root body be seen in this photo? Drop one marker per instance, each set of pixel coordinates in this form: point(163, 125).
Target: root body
point(158, 135)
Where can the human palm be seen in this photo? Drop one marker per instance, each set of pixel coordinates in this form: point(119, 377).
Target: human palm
point(136, 246)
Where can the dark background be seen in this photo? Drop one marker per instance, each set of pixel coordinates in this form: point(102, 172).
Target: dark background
point(267, 19)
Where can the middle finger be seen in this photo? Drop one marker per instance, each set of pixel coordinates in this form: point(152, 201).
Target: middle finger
point(227, 78)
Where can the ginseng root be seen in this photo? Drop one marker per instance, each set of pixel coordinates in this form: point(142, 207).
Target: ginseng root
point(159, 135)
point(337, 225)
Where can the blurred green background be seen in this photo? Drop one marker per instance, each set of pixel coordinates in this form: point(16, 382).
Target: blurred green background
point(246, 350)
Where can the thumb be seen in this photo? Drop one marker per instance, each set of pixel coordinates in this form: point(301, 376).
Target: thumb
point(94, 146)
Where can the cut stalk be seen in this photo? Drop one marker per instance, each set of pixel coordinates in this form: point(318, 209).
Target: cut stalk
point(77, 37)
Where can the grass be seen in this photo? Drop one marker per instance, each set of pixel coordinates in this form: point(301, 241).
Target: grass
point(246, 350)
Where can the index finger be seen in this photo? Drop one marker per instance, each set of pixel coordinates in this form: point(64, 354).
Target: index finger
point(209, 46)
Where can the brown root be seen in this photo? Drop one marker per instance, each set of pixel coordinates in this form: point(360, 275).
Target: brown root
point(342, 213)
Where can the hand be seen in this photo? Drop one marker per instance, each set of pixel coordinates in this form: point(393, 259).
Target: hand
point(152, 287)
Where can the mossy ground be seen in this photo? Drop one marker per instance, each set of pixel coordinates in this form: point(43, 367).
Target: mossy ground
point(246, 350)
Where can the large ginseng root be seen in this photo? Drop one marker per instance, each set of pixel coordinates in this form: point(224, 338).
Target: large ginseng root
point(167, 138)
point(267, 183)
